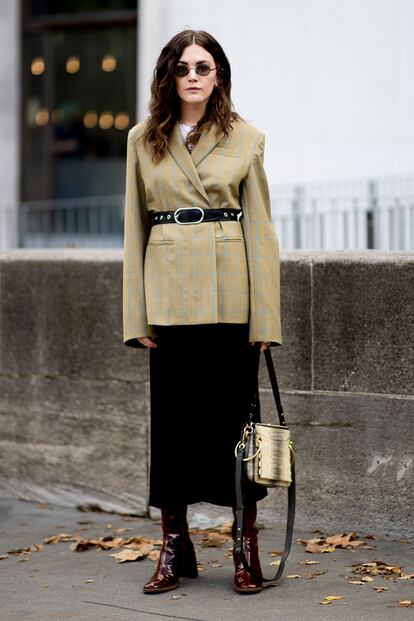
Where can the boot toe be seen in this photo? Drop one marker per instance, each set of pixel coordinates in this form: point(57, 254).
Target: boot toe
point(160, 585)
point(251, 588)
point(244, 583)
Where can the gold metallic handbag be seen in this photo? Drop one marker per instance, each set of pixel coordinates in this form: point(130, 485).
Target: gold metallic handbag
point(266, 457)
point(268, 454)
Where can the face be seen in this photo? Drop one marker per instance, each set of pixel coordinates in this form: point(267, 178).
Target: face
point(194, 88)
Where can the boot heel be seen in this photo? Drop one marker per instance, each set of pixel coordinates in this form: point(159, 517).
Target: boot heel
point(188, 566)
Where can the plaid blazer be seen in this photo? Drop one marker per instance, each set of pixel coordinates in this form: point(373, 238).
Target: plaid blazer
point(224, 271)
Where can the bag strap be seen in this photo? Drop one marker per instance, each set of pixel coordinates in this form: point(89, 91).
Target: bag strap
point(239, 491)
point(275, 388)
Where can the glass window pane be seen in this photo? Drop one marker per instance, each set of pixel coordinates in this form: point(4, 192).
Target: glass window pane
point(53, 7)
point(78, 104)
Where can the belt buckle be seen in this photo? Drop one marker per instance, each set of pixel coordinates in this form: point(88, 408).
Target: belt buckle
point(186, 208)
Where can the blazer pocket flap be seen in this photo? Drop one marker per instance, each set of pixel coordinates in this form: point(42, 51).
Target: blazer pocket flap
point(225, 151)
point(161, 242)
point(227, 239)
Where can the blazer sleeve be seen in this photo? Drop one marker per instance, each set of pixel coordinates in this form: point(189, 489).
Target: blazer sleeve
point(136, 233)
point(262, 248)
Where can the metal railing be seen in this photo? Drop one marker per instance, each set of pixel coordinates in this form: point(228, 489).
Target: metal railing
point(94, 221)
point(345, 215)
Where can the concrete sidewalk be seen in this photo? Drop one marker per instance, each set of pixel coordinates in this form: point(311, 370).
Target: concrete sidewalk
point(52, 584)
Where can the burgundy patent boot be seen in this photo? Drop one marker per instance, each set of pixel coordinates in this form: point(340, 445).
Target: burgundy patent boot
point(188, 561)
point(177, 556)
point(243, 581)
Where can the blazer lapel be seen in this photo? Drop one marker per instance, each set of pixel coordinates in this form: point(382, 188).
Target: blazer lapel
point(183, 158)
point(206, 143)
point(187, 161)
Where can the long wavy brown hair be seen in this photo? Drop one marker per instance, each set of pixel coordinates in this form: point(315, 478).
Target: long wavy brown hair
point(164, 105)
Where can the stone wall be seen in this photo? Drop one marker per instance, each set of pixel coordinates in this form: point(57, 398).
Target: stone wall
point(74, 400)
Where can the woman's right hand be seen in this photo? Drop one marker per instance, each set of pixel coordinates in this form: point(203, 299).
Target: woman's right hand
point(147, 341)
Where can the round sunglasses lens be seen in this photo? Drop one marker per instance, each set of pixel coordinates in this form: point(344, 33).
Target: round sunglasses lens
point(181, 71)
point(203, 70)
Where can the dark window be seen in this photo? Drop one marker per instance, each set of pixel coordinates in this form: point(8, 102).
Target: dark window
point(79, 96)
point(52, 7)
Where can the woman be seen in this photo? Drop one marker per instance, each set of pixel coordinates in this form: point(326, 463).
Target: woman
point(201, 290)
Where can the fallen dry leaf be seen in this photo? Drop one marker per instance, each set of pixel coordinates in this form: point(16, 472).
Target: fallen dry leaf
point(132, 548)
point(405, 576)
point(318, 545)
point(58, 538)
point(293, 576)
point(34, 548)
point(340, 540)
point(139, 540)
point(144, 548)
point(223, 529)
point(325, 601)
point(308, 563)
point(380, 589)
point(81, 545)
point(376, 568)
point(403, 603)
point(316, 548)
point(154, 555)
point(106, 543)
point(314, 574)
point(128, 555)
point(334, 597)
point(214, 540)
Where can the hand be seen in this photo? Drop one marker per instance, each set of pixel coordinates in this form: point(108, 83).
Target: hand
point(147, 341)
point(263, 344)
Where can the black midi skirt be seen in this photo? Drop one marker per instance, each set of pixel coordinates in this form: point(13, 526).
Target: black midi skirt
point(202, 378)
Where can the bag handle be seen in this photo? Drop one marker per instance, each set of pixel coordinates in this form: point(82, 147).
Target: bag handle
point(275, 388)
point(239, 491)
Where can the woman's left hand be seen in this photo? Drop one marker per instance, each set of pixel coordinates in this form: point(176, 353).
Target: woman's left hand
point(263, 344)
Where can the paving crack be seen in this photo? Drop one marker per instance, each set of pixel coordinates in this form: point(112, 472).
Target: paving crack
point(147, 612)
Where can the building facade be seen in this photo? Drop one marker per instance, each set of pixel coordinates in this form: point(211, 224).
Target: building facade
point(329, 82)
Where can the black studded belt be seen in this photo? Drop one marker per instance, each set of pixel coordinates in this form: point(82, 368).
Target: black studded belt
point(193, 215)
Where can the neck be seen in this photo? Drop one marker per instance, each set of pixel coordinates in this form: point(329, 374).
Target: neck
point(192, 113)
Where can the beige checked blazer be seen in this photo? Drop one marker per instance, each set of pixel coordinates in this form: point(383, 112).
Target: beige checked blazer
point(224, 271)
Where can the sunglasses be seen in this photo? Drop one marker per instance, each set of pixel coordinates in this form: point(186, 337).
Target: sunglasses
point(202, 69)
